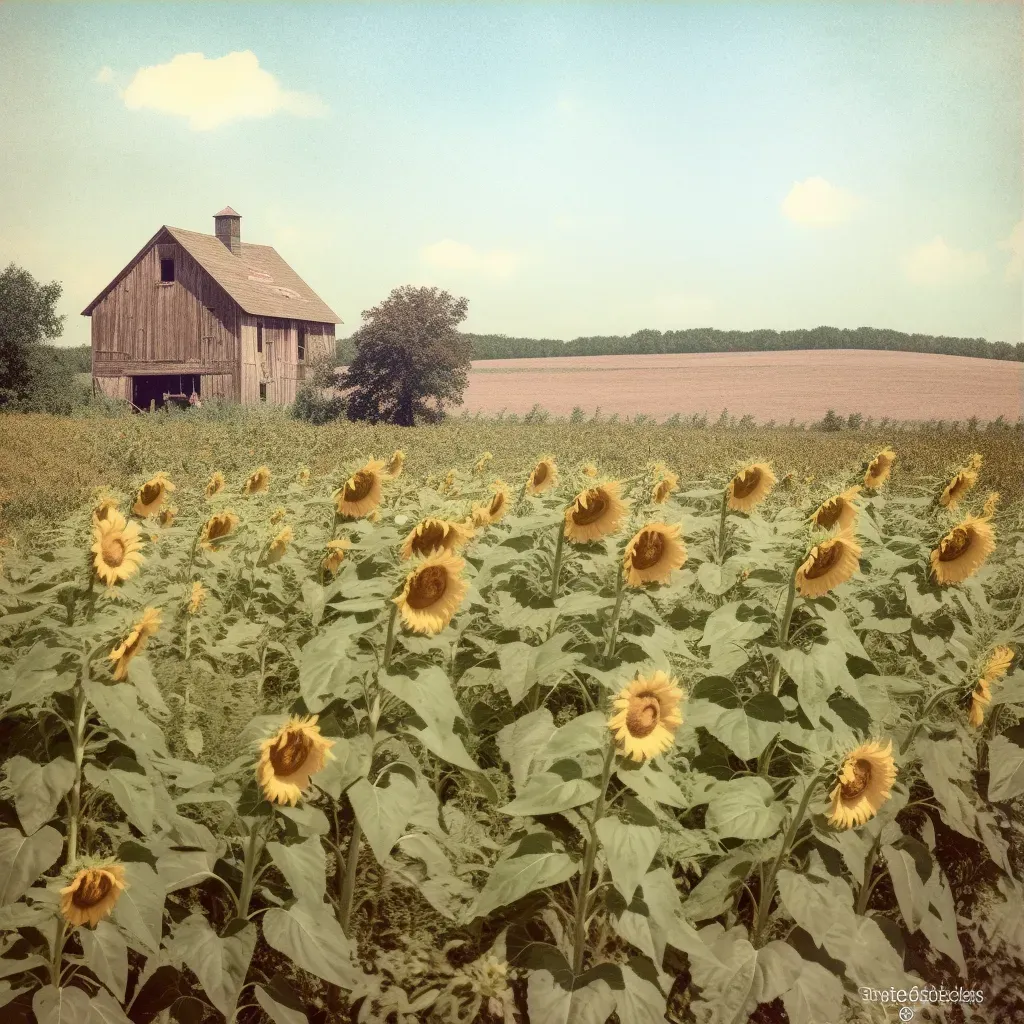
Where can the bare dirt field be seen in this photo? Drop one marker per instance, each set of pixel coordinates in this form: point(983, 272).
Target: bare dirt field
point(776, 386)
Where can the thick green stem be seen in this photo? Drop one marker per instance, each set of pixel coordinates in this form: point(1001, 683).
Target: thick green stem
point(556, 567)
point(865, 890)
point(389, 641)
point(78, 745)
point(253, 851)
point(784, 623)
point(768, 891)
point(991, 730)
point(944, 692)
point(620, 593)
point(589, 856)
point(721, 526)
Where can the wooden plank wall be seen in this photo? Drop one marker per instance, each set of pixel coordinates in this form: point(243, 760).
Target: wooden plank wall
point(114, 387)
point(147, 326)
point(277, 366)
point(217, 385)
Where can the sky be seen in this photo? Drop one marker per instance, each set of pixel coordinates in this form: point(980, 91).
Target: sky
point(571, 168)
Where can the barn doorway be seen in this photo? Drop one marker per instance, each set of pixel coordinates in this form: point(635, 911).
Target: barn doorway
point(165, 389)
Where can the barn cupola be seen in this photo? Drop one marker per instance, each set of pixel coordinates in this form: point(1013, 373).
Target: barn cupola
point(227, 226)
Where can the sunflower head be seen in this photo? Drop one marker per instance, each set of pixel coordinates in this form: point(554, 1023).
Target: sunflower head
point(279, 545)
point(749, 487)
point(863, 784)
point(290, 757)
point(217, 528)
point(167, 515)
point(257, 481)
point(958, 488)
point(196, 597)
point(335, 554)
point(433, 591)
point(496, 508)
point(152, 494)
point(879, 469)
point(648, 712)
point(997, 664)
point(990, 505)
point(303, 475)
point(963, 551)
point(433, 534)
point(589, 469)
point(652, 554)
point(543, 476)
point(665, 484)
point(278, 516)
point(838, 512)
point(360, 494)
point(92, 894)
point(481, 463)
point(595, 513)
point(215, 484)
point(829, 563)
point(134, 642)
point(393, 469)
point(117, 547)
point(103, 509)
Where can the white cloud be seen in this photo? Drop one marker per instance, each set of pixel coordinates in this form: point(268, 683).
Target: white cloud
point(1015, 243)
point(211, 92)
point(938, 263)
point(104, 75)
point(451, 255)
point(819, 203)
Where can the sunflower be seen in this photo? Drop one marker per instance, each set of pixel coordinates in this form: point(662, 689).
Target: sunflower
point(278, 515)
point(361, 492)
point(168, 515)
point(481, 463)
point(589, 469)
point(652, 554)
point(432, 534)
point(289, 757)
point(257, 481)
point(393, 470)
point(667, 483)
point(303, 475)
point(839, 510)
point(879, 469)
point(750, 486)
point(215, 484)
point(990, 505)
point(92, 894)
point(335, 554)
point(117, 546)
point(103, 509)
point(648, 716)
point(828, 564)
point(217, 528)
point(595, 513)
point(496, 508)
point(196, 597)
point(962, 552)
point(134, 642)
point(543, 476)
point(151, 495)
point(279, 545)
point(963, 481)
point(997, 665)
point(863, 784)
point(433, 592)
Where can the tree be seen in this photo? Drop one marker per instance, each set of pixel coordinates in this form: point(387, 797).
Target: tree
point(410, 358)
point(27, 318)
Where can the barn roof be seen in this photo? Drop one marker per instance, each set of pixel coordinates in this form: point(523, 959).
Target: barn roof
point(259, 280)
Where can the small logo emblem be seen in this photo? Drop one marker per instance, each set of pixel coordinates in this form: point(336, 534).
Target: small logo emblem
point(906, 1013)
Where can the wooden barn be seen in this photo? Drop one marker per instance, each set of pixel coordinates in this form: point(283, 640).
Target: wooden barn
point(208, 314)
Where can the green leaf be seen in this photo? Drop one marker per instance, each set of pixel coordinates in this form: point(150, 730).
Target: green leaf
point(717, 579)
point(743, 808)
point(118, 706)
point(304, 866)
point(328, 669)
point(629, 849)
point(220, 962)
point(280, 1004)
point(38, 789)
point(132, 791)
point(582, 734)
point(815, 996)
point(1006, 767)
point(106, 955)
point(9, 968)
point(939, 924)
point(140, 675)
point(140, 908)
point(523, 872)
point(548, 793)
point(652, 785)
point(735, 623)
point(816, 674)
point(521, 741)
point(640, 1001)
point(178, 869)
point(523, 665)
point(23, 859)
point(309, 934)
point(744, 735)
point(61, 1006)
point(942, 764)
point(907, 883)
point(351, 761)
point(313, 600)
point(383, 811)
point(105, 1010)
point(554, 995)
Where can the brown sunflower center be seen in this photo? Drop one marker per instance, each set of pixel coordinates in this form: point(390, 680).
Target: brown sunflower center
point(954, 544)
point(497, 503)
point(288, 756)
point(878, 466)
point(585, 514)
point(861, 778)
point(151, 492)
point(824, 559)
point(540, 474)
point(661, 492)
point(92, 890)
point(359, 486)
point(647, 551)
point(218, 528)
point(829, 513)
point(427, 587)
point(430, 537)
point(744, 484)
point(643, 715)
point(113, 551)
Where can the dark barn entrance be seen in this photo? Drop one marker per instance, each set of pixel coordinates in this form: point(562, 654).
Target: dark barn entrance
point(178, 387)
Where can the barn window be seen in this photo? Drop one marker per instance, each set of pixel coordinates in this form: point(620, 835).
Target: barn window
point(167, 270)
point(302, 344)
point(259, 335)
point(263, 392)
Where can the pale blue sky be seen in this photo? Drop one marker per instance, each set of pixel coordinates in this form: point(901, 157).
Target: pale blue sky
point(571, 168)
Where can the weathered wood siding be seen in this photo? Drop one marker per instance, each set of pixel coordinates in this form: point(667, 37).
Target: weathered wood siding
point(114, 387)
point(217, 385)
point(148, 326)
point(277, 366)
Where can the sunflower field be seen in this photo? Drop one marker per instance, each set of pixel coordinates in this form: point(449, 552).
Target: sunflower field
point(559, 747)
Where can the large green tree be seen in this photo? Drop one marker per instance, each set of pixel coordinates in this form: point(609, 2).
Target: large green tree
point(410, 361)
point(28, 318)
